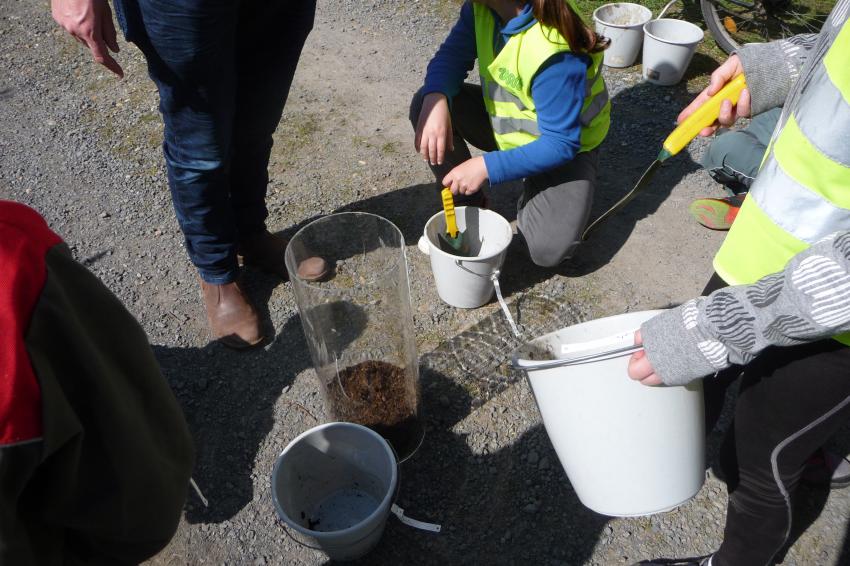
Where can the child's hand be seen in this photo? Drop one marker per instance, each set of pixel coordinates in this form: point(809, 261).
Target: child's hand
point(467, 178)
point(730, 69)
point(639, 367)
point(434, 129)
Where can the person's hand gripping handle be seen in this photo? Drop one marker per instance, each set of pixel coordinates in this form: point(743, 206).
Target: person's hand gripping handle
point(727, 112)
point(701, 118)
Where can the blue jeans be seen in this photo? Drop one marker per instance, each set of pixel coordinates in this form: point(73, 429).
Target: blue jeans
point(223, 69)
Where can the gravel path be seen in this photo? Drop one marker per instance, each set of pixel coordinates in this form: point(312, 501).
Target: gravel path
point(83, 149)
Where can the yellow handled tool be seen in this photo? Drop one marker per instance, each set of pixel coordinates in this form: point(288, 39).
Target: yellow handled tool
point(702, 117)
point(449, 209)
point(452, 241)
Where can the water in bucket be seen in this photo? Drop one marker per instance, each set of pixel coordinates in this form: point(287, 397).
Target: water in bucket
point(333, 486)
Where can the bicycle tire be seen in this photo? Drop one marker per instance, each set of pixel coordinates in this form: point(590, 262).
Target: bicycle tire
point(733, 22)
point(718, 31)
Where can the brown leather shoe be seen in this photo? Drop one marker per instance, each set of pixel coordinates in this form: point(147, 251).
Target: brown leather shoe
point(267, 251)
point(233, 320)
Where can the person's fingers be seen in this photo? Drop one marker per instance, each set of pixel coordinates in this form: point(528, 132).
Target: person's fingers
point(726, 116)
point(652, 380)
point(636, 368)
point(108, 32)
point(708, 131)
point(690, 108)
point(450, 183)
point(102, 56)
point(441, 149)
point(638, 337)
point(744, 104)
point(432, 150)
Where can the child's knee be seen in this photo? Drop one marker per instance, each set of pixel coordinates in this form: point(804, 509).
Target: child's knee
point(546, 253)
point(719, 149)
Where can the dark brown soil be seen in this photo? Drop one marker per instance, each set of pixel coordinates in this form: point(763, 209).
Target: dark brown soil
point(377, 394)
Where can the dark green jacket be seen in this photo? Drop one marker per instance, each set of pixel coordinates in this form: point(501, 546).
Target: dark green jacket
point(95, 454)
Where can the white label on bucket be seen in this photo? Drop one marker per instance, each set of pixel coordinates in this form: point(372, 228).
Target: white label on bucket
point(622, 339)
point(399, 512)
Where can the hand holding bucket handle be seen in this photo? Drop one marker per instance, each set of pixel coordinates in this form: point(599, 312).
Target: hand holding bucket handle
point(640, 368)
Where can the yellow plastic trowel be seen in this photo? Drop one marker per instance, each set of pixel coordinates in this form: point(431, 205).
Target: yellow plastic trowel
point(452, 241)
point(702, 117)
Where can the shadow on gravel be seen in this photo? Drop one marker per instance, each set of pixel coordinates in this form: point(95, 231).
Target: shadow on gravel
point(500, 507)
point(642, 116)
point(228, 398)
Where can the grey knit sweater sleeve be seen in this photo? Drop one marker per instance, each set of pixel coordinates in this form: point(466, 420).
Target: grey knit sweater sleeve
point(808, 301)
point(772, 69)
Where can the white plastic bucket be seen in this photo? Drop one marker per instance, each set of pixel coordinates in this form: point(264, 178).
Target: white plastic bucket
point(334, 484)
point(628, 449)
point(622, 23)
point(668, 46)
point(465, 282)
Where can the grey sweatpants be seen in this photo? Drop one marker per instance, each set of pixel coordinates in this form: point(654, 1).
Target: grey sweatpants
point(734, 157)
point(555, 205)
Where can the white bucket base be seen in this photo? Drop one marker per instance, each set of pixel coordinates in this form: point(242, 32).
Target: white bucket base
point(622, 23)
point(465, 282)
point(628, 449)
point(334, 486)
point(668, 46)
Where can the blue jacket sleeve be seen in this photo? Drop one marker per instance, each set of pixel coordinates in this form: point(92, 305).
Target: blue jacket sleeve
point(455, 57)
point(558, 93)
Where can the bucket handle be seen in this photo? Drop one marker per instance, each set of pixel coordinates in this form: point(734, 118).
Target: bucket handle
point(665, 8)
point(587, 358)
point(494, 278)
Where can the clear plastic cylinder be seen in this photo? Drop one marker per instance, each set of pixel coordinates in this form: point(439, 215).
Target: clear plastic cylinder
point(358, 322)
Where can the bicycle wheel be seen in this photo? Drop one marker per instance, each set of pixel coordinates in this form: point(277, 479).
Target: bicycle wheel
point(735, 22)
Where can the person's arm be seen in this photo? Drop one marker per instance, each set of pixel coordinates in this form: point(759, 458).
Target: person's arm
point(770, 70)
point(454, 59)
point(558, 93)
point(809, 300)
point(773, 68)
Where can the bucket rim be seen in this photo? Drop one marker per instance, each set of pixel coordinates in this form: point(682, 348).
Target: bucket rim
point(382, 508)
point(643, 10)
point(477, 259)
point(677, 21)
point(316, 284)
point(524, 364)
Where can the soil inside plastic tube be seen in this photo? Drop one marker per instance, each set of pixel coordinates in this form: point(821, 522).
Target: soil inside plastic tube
point(376, 394)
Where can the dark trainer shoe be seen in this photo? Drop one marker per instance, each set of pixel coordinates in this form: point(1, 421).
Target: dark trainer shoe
point(267, 251)
point(233, 320)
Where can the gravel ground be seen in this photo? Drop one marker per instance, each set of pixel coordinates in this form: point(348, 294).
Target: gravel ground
point(83, 149)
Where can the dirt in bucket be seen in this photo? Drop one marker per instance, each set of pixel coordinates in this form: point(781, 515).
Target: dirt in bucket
point(376, 394)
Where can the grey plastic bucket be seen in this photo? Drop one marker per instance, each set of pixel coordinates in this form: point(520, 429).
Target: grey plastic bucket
point(334, 485)
point(622, 23)
point(668, 46)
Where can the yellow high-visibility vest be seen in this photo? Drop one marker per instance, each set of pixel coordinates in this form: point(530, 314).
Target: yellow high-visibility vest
point(506, 83)
point(802, 192)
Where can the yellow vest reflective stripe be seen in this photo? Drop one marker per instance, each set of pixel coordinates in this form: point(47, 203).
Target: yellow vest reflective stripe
point(802, 192)
point(506, 83)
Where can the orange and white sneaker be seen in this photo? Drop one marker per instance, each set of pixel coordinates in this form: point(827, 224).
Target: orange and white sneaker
point(716, 213)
